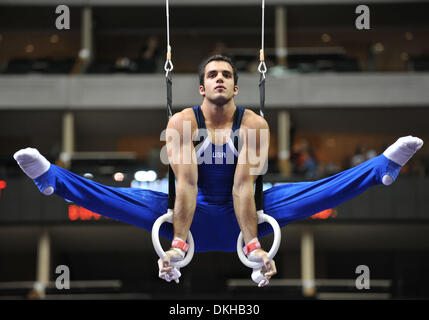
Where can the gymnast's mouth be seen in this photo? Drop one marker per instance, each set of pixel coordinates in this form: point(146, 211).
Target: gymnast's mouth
point(220, 87)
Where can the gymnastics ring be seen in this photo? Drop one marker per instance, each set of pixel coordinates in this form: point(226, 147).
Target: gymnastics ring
point(262, 217)
point(168, 217)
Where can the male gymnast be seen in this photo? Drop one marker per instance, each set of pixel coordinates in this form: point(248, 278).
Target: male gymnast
point(216, 164)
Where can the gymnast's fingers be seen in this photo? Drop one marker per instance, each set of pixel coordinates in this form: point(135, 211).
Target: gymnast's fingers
point(270, 268)
point(164, 266)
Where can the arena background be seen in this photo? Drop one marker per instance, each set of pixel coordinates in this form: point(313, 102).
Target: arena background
point(92, 99)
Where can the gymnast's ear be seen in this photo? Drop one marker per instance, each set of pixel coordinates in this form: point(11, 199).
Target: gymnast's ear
point(202, 90)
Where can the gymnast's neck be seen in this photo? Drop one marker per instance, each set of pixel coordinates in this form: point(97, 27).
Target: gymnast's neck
point(218, 115)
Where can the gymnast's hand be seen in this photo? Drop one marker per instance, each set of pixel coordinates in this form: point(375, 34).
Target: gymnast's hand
point(269, 269)
point(167, 271)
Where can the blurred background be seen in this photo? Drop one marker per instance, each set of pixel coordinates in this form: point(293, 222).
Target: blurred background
point(92, 99)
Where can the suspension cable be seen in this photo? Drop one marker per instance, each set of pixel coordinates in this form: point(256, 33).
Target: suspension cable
point(168, 67)
point(262, 68)
point(259, 195)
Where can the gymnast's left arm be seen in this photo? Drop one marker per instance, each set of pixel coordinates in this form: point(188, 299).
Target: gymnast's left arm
point(254, 134)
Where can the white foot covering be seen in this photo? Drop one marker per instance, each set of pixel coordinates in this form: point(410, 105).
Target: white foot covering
point(400, 152)
point(33, 164)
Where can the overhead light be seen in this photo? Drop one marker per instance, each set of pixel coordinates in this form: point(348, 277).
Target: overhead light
point(151, 175)
point(54, 38)
point(145, 176)
point(119, 176)
point(326, 37)
point(378, 47)
point(29, 48)
point(140, 176)
point(84, 54)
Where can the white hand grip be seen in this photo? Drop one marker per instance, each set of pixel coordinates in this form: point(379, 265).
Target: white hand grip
point(262, 217)
point(168, 217)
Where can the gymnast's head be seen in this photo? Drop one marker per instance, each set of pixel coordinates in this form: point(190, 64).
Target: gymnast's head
point(218, 79)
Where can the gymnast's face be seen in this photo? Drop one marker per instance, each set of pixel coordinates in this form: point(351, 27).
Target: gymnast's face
point(219, 87)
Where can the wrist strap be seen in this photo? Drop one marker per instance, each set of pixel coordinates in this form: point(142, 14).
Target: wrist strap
point(251, 246)
point(179, 244)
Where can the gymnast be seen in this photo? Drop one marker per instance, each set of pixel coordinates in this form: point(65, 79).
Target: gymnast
point(215, 190)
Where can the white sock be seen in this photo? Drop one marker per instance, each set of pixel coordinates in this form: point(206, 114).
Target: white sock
point(400, 152)
point(403, 149)
point(33, 164)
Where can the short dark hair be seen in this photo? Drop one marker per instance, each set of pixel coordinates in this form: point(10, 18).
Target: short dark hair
point(217, 57)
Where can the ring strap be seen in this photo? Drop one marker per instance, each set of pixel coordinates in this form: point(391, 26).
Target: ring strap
point(179, 244)
point(251, 247)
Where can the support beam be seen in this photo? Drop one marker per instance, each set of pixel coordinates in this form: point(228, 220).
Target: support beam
point(43, 266)
point(307, 263)
point(86, 52)
point(68, 139)
point(281, 35)
point(284, 143)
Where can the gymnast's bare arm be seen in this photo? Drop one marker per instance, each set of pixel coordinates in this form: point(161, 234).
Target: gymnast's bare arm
point(253, 155)
point(181, 156)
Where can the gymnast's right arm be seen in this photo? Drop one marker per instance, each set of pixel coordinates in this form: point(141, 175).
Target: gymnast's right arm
point(181, 154)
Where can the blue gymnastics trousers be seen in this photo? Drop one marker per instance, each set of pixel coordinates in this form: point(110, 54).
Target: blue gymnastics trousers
point(215, 227)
